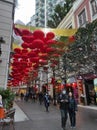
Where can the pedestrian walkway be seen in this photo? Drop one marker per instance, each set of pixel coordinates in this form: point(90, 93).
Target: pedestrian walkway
point(19, 115)
point(32, 116)
point(89, 107)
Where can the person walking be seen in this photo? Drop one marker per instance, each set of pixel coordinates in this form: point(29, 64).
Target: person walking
point(72, 110)
point(63, 105)
point(40, 97)
point(47, 101)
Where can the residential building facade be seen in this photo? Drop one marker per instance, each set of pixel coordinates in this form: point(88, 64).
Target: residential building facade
point(82, 12)
point(6, 24)
point(85, 11)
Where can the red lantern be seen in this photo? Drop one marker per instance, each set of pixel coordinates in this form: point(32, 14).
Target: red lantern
point(17, 50)
point(50, 42)
point(53, 65)
point(68, 85)
point(55, 62)
point(50, 35)
point(43, 55)
point(16, 56)
point(44, 49)
point(28, 39)
point(41, 61)
point(25, 45)
point(38, 34)
point(32, 54)
point(55, 55)
point(50, 49)
point(24, 50)
point(71, 39)
point(37, 43)
point(25, 32)
point(34, 59)
point(36, 66)
point(74, 85)
point(53, 81)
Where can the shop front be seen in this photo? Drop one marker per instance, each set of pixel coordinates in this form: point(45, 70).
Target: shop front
point(90, 82)
point(71, 85)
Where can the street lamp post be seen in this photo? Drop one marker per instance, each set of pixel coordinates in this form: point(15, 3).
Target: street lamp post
point(54, 93)
point(65, 68)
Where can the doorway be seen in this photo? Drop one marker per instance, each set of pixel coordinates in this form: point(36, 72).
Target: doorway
point(90, 92)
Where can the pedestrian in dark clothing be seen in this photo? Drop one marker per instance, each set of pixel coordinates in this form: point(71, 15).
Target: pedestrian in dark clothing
point(72, 110)
point(47, 101)
point(22, 96)
point(63, 104)
point(34, 97)
point(40, 96)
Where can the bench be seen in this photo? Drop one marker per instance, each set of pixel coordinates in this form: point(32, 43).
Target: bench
point(8, 120)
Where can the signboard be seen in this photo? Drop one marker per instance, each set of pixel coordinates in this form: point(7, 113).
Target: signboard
point(95, 88)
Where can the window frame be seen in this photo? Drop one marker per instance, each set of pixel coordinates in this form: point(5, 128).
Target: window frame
point(84, 18)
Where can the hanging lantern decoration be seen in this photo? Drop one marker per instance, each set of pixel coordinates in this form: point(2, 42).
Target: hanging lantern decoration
point(74, 85)
point(17, 50)
point(38, 34)
point(56, 55)
point(25, 32)
point(53, 65)
point(28, 39)
point(50, 49)
point(37, 43)
point(54, 61)
point(32, 54)
point(24, 50)
point(44, 49)
point(68, 85)
point(36, 50)
point(25, 45)
point(43, 55)
point(51, 42)
point(50, 35)
point(34, 59)
point(71, 39)
point(42, 61)
point(17, 55)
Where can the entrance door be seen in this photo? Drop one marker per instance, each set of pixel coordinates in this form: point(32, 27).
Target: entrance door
point(90, 93)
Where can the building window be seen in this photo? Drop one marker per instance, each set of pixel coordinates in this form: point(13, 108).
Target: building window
point(94, 7)
point(82, 18)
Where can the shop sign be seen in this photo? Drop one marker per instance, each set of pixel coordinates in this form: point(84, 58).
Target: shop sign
point(95, 87)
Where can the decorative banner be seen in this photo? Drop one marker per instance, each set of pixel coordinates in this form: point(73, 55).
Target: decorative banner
point(58, 32)
point(15, 45)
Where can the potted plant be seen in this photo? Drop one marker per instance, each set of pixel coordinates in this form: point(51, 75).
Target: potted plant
point(7, 97)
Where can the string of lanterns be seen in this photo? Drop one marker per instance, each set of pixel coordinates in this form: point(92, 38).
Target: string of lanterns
point(36, 50)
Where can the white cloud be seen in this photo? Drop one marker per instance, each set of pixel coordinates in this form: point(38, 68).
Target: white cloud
point(25, 9)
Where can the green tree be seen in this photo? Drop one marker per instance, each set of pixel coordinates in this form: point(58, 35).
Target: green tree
point(59, 13)
point(82, 55)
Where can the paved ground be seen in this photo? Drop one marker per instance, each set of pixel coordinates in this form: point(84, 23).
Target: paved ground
point(32, 116)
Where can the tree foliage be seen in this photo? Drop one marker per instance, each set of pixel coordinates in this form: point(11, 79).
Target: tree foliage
point(60, 12)
point(82, 55)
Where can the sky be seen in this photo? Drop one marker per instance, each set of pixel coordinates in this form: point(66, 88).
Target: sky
point(24, 10)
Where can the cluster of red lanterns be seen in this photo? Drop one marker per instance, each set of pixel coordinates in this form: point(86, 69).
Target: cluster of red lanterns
point(74, 85)
point(36, 48)
point(35, 51)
